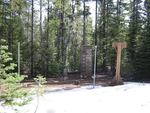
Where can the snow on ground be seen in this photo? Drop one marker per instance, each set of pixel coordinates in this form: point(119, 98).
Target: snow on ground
point(128, 98)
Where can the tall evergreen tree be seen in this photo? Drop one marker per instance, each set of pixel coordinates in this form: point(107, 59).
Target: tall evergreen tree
point(135, 30)
point(142, 65)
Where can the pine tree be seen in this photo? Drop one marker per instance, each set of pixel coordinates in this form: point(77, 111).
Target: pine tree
point(142, 65)
point(10, 86)
point(135, 35)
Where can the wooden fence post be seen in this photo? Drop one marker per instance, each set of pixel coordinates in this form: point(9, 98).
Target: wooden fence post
point(118, 46)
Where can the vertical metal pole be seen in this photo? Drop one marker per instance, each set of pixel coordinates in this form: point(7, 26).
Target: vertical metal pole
point(19, 58)
point(94, 77)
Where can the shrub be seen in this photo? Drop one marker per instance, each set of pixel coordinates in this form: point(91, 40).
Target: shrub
point(11, 91)
point(40, 81)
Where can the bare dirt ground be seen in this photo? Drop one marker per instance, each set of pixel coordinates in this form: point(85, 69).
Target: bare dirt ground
point(57, 83)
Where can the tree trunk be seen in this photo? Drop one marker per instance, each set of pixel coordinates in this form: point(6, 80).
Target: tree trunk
point(96, 22)
point(47, 40)
point(32, 30)
point(84, 29)
point(41, 34)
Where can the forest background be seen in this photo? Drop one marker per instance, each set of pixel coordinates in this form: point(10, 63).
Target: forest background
point(51, 37)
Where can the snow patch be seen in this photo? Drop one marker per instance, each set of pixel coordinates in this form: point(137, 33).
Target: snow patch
point(127, 98)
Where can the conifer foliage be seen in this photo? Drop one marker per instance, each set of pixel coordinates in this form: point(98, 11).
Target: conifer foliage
point(10, 86)
point(51, 33)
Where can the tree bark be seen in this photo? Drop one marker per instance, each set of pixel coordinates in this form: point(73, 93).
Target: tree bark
point(32, 36)
point(47, 40)
point(84, 29)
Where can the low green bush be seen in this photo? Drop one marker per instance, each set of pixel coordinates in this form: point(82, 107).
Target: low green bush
point(11, 90)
